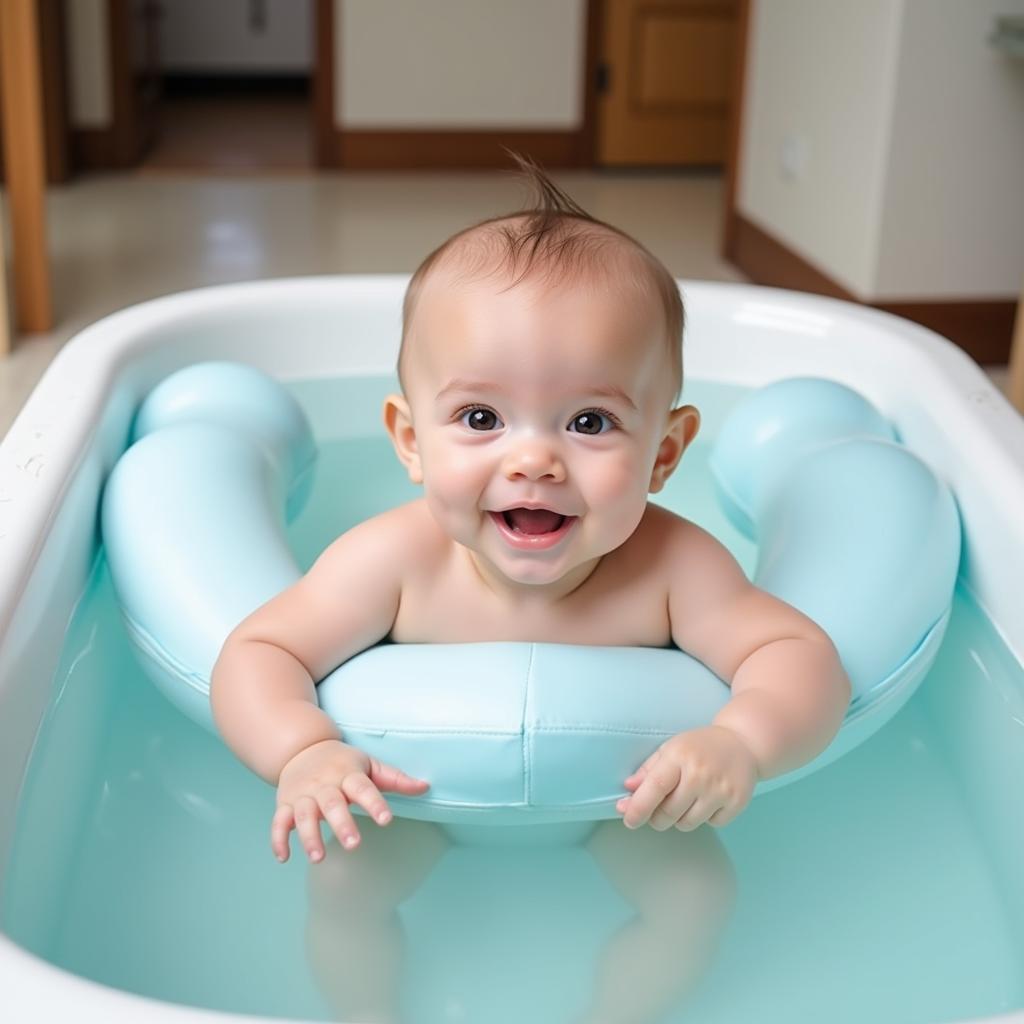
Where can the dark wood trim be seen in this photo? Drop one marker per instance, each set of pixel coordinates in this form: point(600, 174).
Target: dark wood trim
point(765, 260)
point(56, 124)
point(739, 94)
point(126, 147)
point(983, 329)
point(93, 149)
point(324, 146)
point(402, 150)
point(587, 136)
point(368, 150)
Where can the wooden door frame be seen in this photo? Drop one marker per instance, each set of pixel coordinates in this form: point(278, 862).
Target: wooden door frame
point(323, 84)
point(53, 71)
point(464, 150)
point(118, 145)
point(732, 169)
point(25, 163)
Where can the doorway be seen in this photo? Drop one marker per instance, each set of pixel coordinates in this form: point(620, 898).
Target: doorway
point(233, 85)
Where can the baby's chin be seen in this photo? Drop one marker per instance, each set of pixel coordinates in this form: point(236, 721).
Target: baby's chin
point(533, 573)
point(532, 576)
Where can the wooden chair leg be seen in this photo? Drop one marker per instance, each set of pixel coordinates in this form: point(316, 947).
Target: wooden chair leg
point(5, 316)
point(25, 161)
point(1016, 388)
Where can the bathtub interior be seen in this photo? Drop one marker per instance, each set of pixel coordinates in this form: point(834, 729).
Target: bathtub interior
point(886, 886)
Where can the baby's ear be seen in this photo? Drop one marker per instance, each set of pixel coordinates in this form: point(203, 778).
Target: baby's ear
point(683, 424)
point(398, 421)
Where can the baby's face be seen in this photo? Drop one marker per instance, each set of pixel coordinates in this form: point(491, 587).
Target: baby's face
point(534, 398)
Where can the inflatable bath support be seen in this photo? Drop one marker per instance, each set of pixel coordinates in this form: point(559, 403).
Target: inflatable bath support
point(852, 529)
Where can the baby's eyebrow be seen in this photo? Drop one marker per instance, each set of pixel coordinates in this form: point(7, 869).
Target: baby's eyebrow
point(605, 390)
point(612, 391)
point(458, 384)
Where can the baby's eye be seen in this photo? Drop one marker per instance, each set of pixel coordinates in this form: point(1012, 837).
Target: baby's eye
point(478, 418)
point(590, 422)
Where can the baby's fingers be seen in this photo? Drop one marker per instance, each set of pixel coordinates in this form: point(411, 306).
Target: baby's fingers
point(394, 780)
point(358, 788)
point(334, 808)
point(704, 808)
point(641, 805)
point(307, 824)
point(281, 826)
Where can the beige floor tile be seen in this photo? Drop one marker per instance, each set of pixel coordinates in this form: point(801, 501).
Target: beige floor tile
point(120, 239)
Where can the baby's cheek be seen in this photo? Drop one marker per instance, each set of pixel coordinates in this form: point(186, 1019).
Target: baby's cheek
point(436, 471)
point(452, 489)
point(614, 481)
point(619, 492)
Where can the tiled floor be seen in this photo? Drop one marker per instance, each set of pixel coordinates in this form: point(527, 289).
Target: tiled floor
point(120, 239)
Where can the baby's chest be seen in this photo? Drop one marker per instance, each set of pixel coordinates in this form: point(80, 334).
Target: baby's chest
point(451, 611)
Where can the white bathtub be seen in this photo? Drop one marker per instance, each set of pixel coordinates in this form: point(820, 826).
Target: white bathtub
point(74, 426)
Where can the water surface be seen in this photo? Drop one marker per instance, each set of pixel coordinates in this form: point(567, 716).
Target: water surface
point(885, 887)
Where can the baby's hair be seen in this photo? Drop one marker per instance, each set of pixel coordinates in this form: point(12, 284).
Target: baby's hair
point(556, 237)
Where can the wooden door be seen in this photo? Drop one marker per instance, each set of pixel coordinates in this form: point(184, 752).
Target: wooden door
point(666, 82)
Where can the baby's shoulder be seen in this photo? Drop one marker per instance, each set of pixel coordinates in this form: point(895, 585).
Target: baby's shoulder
point(677, 545)
point(669, 532)
point(394, 541)
point(688, 554)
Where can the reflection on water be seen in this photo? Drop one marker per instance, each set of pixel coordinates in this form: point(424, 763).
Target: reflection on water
point(413, 928)
point(885, 887)
point(160, 880)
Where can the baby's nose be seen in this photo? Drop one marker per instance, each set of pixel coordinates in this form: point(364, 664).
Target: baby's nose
point(534, 460)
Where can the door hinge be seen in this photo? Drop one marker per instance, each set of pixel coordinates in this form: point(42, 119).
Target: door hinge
point(604, 75)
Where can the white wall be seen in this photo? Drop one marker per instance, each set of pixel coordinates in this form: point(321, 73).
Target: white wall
point(952, 223)
point(88, 62)
point(904, 181)
point(203, 37)
point(820, 80)
point(457, 64)
point(400, 63)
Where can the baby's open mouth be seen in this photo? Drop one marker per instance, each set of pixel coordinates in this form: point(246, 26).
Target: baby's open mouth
point(532, 529)
point(532, 521)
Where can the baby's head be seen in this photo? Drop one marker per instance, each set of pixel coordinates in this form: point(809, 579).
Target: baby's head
point(553, 244)
point(540, 364)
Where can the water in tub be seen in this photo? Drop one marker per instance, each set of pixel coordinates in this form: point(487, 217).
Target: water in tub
point(881, 888)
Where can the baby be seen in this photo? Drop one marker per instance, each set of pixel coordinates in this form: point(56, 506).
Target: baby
point(540, 370)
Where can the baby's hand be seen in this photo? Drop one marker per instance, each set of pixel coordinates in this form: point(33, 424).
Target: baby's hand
point(320, 782)
point(703, 775)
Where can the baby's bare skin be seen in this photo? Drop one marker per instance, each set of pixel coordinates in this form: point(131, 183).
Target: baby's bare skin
point(681, 888)
point(542, 395)
point(624, 601)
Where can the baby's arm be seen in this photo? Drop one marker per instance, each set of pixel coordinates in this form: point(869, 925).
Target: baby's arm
point(263, 692)
point(789, 691)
